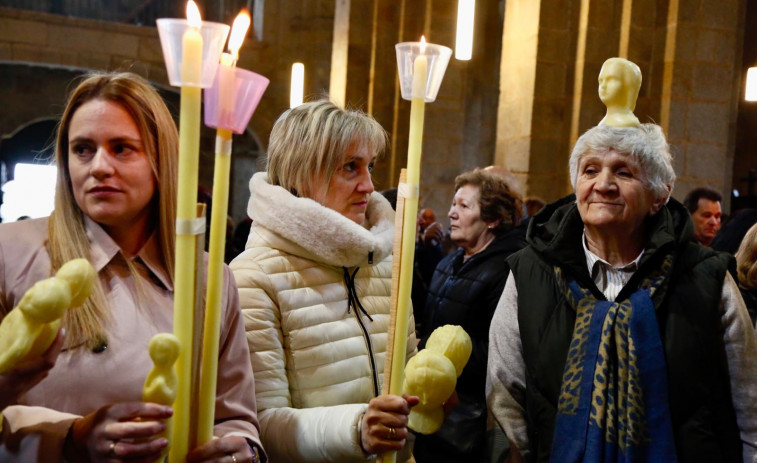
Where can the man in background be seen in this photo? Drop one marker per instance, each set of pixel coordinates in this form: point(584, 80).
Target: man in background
point(704, 206)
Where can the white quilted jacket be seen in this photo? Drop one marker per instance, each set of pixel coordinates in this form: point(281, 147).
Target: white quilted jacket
point(317, 363)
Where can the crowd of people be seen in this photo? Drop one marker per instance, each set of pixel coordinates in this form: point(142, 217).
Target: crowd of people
point(604, 326)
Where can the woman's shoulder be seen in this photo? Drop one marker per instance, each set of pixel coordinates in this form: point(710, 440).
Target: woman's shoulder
point(23, 257)
point(265, 256)
point(24, 231)
point(693, 256)
point(23, 240)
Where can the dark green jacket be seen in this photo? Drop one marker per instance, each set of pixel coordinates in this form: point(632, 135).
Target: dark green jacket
point(704, 422)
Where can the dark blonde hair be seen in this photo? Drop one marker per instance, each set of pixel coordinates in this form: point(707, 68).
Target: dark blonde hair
point(66, 230)
point(308, 143)
point(496, 199)
point(746, 259)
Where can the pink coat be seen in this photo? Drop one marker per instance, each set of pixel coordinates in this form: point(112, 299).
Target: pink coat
point(83, 380)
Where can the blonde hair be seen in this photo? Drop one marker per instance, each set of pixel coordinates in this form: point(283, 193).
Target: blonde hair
point(309, 142)
point(66, 230)
point(746, 259)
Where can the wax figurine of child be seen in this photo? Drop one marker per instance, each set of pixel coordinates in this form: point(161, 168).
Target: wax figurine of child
point(80, 276)
point(161, 383)
point(29, 330)
point(619, 84)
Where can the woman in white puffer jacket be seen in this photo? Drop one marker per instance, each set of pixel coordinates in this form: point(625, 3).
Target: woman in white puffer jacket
point(314, 283)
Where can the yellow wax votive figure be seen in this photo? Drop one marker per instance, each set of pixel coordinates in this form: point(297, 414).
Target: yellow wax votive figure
point(28, 330)
point(619, 84)
point(161, 383)
point(432, 375)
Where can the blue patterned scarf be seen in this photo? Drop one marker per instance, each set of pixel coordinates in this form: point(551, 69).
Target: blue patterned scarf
point(613, 405)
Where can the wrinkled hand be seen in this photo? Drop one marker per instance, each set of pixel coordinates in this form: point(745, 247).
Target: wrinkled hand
point(221, 450)
point(433, 232)
point(14, 383)
point(117, 432)
point(384, 426)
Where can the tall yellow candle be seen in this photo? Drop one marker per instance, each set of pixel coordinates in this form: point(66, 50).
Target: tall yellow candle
point(184, 284)
point(414, 150)
point(214, 295)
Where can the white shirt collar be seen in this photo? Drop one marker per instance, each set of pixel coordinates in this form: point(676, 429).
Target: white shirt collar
point(608, 278)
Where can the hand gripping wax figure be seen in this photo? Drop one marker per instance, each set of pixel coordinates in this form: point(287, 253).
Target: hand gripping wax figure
point(619, 84)
point(30, 335)
point(464, 291)
point(29, 330)
point(616, 337)
point(314, 284)
point(116, 155)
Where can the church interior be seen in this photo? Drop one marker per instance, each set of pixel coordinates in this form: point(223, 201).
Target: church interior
point(526, 94)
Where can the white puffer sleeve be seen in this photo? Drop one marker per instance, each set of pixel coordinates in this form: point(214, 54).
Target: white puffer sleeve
point(320, 434)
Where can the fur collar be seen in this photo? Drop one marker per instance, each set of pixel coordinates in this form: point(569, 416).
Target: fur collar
point(303, 227)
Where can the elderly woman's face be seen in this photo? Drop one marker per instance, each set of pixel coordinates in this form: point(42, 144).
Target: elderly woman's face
point(467, 229)
point(351, 185)
point(612, 193)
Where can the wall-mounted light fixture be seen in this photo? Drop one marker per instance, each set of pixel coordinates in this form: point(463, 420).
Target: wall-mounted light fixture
point(298, 84)
point(464, 40)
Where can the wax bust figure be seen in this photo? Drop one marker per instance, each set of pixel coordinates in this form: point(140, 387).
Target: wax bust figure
point(613, 299)
point(619, 84)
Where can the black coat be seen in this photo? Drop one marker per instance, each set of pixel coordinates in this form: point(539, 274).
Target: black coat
point(466, 294)
point(702, 414)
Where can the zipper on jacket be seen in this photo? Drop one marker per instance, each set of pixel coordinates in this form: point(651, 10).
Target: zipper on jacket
point(367, 337)
point(352, 292)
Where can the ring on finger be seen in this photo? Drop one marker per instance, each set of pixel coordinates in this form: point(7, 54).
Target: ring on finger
point(233, 458)
point(112, 448)
point(392, 433)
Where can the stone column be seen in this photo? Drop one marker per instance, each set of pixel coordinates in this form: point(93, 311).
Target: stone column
point(700, 91)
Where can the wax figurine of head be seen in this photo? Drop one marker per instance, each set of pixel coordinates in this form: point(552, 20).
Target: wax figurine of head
point(619, 84)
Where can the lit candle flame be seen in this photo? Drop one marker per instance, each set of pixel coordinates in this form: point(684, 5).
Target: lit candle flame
point(423, 44)
point(193, 14)
point(239, 32)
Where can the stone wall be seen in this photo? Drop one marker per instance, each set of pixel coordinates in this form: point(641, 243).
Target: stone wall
point(690, 55)
point(528, 92)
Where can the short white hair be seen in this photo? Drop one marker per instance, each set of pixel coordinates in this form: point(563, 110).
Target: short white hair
point(645, 144)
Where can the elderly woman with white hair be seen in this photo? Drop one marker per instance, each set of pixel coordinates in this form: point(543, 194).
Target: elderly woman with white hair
point(617, 338)
point(314, 285)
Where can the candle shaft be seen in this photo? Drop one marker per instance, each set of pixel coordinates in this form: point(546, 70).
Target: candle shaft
point(189, 146)
point(407, 255)
point(212, 325)
point(408, 245)
point(185, 259)
point(399, 347)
